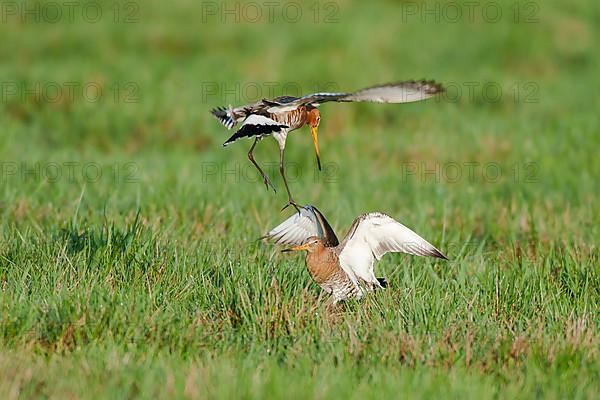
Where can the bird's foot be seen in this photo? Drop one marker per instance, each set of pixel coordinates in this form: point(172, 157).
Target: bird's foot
point(291, 202)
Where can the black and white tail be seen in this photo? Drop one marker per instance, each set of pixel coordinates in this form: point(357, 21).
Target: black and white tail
point(224, 115)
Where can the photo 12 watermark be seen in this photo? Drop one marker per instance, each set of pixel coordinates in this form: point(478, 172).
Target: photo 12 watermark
point(469, 11)
point(247, 92)
point(454, 92)
point(246, 172)
point(68, 171)
point(69, 92)
point(270, 11)
point(52, 12)
point(469, 172)
point(456, 251)
point(489, 92)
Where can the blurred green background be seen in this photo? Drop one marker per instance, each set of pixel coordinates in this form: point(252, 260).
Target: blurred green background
point(147, 280)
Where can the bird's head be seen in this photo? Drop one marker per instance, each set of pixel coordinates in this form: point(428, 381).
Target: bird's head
point(313, 120)
point(311, 244)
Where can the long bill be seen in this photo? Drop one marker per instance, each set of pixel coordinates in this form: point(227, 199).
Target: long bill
point(296, 248)
point(315, 137)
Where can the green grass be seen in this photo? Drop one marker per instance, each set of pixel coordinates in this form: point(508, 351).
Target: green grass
point(157, 287)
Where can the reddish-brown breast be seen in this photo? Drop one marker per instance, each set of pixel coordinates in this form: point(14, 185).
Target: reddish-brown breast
point(295, 118)
point(324, 266)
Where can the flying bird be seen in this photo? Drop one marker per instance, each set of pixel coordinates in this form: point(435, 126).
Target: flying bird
point(279, 116)
point(345, 270)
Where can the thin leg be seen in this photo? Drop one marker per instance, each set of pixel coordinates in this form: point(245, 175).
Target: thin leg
point(265, 177)
point(282, 172)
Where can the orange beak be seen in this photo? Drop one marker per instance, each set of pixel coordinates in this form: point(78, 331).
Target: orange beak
point(315, 137)
point(296, 248)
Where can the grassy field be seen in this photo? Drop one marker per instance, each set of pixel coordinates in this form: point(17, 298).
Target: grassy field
point(129, 265)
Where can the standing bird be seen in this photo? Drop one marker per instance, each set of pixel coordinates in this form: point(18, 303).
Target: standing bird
point(284, 114)
point(345, 270)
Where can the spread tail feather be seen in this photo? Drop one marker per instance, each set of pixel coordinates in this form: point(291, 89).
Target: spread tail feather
point(224, 115)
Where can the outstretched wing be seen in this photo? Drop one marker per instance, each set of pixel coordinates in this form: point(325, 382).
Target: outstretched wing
point(256, 125)
point(302, 225)
point(318, 98)
point(399, 92)
point(375, 234)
